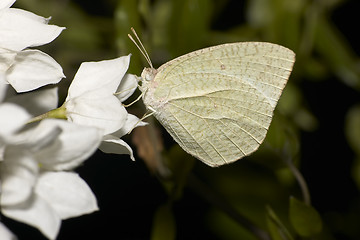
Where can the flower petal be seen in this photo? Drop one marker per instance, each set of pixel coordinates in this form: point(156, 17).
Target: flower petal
point(33, 69)
point(73, 146)
point(38, 138)
point(132, 122)
point(18, 176)
point(67, 193)
point(3, 87)
point(37, 102)
point(24, 29)
point(12, 118)
point(127, 87)
point(6, 4)
point(5, 233)
point(7, 58)
point(112, 144)
point(96, 110)
point(37, 213)
point(93, 76)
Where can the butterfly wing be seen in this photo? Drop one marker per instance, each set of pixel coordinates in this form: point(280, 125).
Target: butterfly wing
point(217, 103)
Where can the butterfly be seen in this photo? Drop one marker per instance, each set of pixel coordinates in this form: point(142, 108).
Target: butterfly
point(218, 102)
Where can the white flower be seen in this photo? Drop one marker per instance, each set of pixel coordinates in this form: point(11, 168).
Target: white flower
point(91, 101)
point(8, 128)
point(33, 188)
point(112, 143)
point(26, 70)
point(34, 191)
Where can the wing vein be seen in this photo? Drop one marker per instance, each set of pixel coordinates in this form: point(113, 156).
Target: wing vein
point(216, 150)
point(204, 118)
point(218, 97)
point(189, 135)
point(235, 144)
point(226, 75)
point(224, 117)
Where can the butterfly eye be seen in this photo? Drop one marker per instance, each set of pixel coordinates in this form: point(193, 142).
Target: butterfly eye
point(148, 74)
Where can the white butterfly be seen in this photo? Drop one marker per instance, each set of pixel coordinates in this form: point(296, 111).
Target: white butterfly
point(218, 102)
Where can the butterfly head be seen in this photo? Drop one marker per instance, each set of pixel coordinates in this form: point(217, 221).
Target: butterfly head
point(148, 74)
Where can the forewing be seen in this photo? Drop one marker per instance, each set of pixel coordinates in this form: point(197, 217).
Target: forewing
point(220, 100)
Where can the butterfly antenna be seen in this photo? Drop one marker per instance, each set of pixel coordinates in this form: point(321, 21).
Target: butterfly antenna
point(142, 48)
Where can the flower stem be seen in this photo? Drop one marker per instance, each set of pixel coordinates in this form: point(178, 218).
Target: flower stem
point(59, 113)
point(300, 179)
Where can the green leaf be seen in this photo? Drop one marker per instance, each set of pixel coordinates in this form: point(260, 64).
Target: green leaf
point(276, 228)
point(226, 228)
point(335, 50)
point(352, 128)
point(163, 224)
point(304, 218)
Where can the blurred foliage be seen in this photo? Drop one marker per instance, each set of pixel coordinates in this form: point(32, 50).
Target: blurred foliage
point(305, 219)
point(163, 224)
point(277, 230)
point(317, 116)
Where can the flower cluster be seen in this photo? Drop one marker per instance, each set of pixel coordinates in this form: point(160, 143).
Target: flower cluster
point(37, 158)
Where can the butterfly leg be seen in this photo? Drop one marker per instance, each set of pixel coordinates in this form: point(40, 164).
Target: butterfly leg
point(137, 99)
